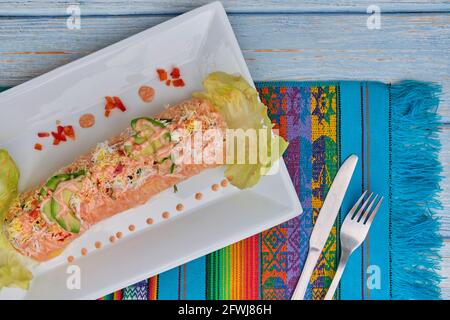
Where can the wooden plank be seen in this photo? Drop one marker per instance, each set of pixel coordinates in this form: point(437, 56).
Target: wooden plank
point(413, 46)
point(307, 46)
point(121, 7)
point(445, 184)
point(445, 271)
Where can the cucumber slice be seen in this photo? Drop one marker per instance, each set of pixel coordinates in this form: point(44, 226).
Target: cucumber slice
point(139, 139)
point(156, 144)
point(66, 194)
point(55, 210)
point(47, 210)
point(148, 150)
point(73, 223)
point(53, 182)
point(128, 148)
point(152, 121)
point(168, 136)
point(70, 222)
point(151, 148)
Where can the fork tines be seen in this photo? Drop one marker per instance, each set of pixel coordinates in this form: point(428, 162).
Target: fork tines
point(363, 214)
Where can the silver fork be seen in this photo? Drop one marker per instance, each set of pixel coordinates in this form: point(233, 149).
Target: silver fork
point(353, 232)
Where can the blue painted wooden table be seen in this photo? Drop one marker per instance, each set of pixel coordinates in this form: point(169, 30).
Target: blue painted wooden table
point(281, 39)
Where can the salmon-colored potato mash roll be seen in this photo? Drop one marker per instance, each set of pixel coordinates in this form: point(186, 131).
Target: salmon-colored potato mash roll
point(121, 173)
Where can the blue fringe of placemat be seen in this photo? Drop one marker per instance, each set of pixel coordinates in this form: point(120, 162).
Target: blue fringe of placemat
point(416, 173)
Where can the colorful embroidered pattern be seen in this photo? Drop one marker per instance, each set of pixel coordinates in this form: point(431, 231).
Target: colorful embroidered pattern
point(268, 265)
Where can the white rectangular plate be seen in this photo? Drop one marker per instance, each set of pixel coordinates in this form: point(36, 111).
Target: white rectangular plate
point(198, 42)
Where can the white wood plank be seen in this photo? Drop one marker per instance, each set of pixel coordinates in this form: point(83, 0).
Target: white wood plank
point(445, 270)
point(445, 184)
point(116, 7)
point(308, 46)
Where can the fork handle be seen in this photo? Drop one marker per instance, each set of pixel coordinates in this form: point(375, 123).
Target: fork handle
point(337, 277)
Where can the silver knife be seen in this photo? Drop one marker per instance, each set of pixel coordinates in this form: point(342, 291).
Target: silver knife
point(324, 223)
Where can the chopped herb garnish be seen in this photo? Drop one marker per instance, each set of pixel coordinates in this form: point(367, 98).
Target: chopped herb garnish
point(172, 168)
point(175, 188)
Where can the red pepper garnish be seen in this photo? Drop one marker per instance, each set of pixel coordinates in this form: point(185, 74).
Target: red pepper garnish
point(43, 134)
point(62, 133)
point(162, 74)
point(69, 132)
point(112, 103)
point(34, 214)
point(58, 137)
point(178, 83)
point(38, 146)
point(175, 74)
point(109, 103)
point(118, 169)
point(119, 104)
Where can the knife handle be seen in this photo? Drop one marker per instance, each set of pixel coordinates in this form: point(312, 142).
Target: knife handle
point(308, 268)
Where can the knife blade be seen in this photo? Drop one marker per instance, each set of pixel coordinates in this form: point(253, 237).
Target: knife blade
point(324, 222)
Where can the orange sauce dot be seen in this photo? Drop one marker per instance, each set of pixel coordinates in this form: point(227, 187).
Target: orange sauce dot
point(69, 259)
point(98, 244)
point(180, 207)
point(84, 251)
point(165, 215)
point(87, 120)
point(146, 93)
point(198, 196)
point(119, 235)
point(149, 221)
point(131, 227)
point(224, 183)
point(112, 239)
point(229, 178)
point(215, 187)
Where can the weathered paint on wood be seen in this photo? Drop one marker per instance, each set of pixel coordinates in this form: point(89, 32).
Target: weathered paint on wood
point(120, 7)
point(305, 46)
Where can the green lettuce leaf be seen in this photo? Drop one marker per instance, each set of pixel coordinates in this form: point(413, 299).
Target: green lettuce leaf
point(239, 104)
point(9, 180)
point(13, 273)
